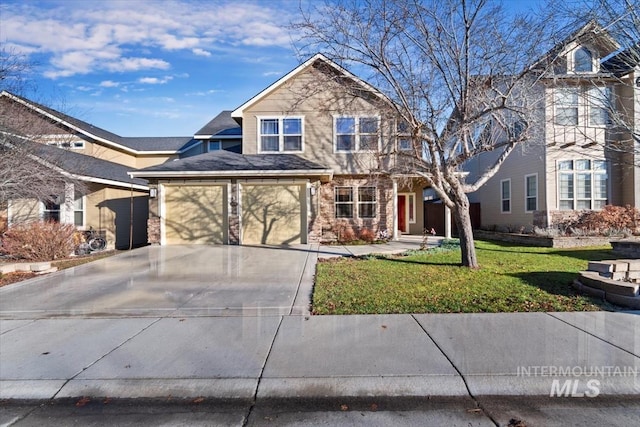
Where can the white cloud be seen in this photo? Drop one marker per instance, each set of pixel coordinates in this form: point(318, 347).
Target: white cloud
point(134, 64)
point(109, 83)
point(272, 73)
point(205, 92)
point(200, 52)
point(97, 36)
point(155, 80)
point(83, 88)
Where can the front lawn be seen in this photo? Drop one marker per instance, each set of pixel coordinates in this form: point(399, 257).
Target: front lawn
point(511, 279)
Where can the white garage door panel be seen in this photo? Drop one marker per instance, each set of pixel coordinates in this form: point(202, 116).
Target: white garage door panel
point(272, 214)
point(195, 214)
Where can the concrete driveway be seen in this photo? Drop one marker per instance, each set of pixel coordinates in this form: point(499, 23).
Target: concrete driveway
point(172, 281)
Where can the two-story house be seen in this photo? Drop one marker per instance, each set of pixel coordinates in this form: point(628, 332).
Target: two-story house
point(583, 155)
point(99, 193)
point(316, 163)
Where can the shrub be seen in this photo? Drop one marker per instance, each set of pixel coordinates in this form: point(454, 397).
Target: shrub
point(39, 241)
point(367, 235)
point(610, 219)
point(345, 233)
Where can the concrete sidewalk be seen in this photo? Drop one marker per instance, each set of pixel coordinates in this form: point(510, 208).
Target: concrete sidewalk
point(251, 357)
point(320, 356)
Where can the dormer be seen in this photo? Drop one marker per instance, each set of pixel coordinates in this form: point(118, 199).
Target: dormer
point(582, 60)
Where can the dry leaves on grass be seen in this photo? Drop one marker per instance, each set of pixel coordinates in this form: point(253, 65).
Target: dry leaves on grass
point(9, 278)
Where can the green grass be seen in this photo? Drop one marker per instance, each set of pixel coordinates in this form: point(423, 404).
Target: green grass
point(511, 279)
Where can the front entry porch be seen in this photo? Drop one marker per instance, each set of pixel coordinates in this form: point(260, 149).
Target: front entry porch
point(409, 211)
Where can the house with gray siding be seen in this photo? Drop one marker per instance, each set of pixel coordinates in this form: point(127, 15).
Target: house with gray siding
point(583, 154)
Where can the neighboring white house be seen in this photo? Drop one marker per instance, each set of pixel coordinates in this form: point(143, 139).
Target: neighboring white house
point(582, 157)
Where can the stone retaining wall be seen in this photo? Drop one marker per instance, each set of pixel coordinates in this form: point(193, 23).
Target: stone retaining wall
point(627, 248)
point(542, 241)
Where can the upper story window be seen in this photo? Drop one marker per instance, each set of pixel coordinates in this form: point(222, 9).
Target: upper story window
point(356, 134)
point(600, 104)
point(566, 106)
point(585, 106)
point(280, 134)
point(404, 136)
point(582, 60)
point(63, 141)
point(214, 145)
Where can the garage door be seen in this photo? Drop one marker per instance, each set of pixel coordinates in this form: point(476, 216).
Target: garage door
point(195, 214)
point(273, 214)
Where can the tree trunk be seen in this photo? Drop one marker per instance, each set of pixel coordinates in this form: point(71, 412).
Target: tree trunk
point(465, 233)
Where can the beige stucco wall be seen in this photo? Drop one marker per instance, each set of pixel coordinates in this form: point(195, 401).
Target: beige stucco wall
point(108, 209)
point(21, 210)
point(318, 98)
point(143, 161)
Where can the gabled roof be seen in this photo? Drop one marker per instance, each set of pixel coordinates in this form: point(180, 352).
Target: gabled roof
point(237, 113)
point(222, 126)
point(133, 145)
point(592, 32)
point(226, 163)
point(79, 166)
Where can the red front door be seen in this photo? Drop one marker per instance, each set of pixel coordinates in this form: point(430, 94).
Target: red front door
point(402, 216)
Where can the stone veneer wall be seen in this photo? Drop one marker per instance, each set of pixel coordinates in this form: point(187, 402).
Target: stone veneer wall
point(234, 217)
point(153, 230)
point(629, 248)
point(324, 226)
point(542, 241)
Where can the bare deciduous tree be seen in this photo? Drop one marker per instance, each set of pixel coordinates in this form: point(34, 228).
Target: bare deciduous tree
point(458, 73)
point(28, 168)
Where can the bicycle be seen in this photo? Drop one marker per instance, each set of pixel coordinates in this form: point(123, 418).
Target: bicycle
point(94, 240)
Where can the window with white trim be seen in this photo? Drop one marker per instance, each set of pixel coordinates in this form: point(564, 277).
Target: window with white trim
point(599, 105)
point(78, 212)
point(403, 136)
point(583, 184)
point(367, 202)
point(531, 192)
point(354, 133)
point(280, 134)
point(566, 106)
point(594, 109)
point(344, 202)
point(505, 196)
point(582, 60)
point(411, 201)
point(52, 208)
point(215, 145)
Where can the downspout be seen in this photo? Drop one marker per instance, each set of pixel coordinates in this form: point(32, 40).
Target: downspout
point(131, 219)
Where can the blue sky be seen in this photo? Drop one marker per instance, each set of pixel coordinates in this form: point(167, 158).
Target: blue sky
point(153, 68)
